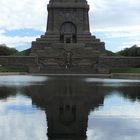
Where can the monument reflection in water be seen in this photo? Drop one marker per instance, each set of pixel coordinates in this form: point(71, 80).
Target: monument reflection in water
point(68, 101)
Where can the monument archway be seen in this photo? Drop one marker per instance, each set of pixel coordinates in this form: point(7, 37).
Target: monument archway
point(68, 33)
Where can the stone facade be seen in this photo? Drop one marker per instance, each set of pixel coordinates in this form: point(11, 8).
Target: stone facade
point(103, 63)
point(107, 63)
point(68, 45)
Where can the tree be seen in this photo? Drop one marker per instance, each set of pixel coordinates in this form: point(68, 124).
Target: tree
point(110, 53)
point(24, 52)
point(4, 50)
point(133, 51)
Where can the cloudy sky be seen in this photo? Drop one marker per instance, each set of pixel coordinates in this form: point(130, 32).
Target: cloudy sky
point(116, 22)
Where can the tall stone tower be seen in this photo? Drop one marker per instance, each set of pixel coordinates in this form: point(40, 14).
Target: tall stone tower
point(67, 46)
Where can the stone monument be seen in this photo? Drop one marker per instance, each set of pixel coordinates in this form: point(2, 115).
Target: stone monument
point(68, 46)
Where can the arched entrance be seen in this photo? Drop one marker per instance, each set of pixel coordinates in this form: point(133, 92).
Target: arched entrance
point(68, 33)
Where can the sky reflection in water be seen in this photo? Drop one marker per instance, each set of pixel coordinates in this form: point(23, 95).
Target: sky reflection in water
point(28, 104)
point(118, 119)
point(20, 121)
point(20, 80)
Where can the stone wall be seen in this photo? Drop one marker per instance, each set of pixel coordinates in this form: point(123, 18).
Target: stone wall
point(103, 64)
point(119, 62)
point(18, 60)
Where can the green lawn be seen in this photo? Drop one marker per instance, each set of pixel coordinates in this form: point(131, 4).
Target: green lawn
point(126, 70)
point(25, 69)
point(13, 69)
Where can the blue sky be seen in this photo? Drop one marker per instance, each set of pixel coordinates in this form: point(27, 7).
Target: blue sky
point(115, 22)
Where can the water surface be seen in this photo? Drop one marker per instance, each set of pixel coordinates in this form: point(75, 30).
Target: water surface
point(69, 108)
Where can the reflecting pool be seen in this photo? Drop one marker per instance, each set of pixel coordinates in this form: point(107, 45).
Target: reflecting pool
point(69, 108)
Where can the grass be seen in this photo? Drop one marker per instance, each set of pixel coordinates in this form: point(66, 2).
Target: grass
point(26, 69)
point(126, 70)
point(13, 69)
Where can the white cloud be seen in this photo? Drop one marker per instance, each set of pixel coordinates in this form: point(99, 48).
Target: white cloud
point(116, 19)
point(125, 37)
point(103, 13)
point(17, 14)
point(120, 31)
point(129, 44)
point(16, 41)
point(114, 13)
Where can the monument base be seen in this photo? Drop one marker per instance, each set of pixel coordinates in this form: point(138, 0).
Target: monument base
point(79, 57)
